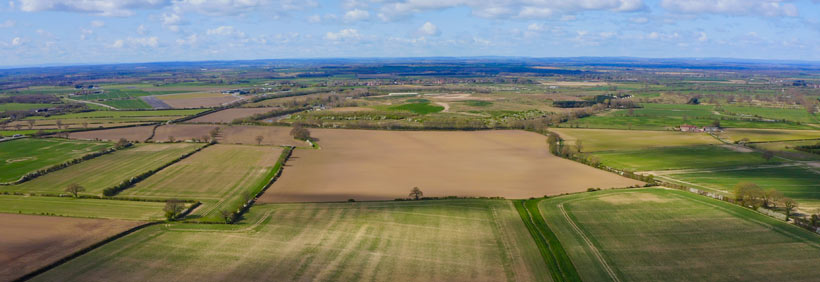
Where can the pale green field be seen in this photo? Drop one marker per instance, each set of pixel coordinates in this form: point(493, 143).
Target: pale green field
point(766, 135)
point(608, 139)
point(447, 240)
point(686, 157)
point(107, 170)
point(92, 208)
point(664, 235)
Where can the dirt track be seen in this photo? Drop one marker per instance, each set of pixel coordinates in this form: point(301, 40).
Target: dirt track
point(383, 165)
point(28, 242)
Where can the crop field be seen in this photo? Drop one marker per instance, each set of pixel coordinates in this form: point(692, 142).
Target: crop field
point(90, 208)
point(666, 235)
point(221, 176)
point(605, 140)
point(127, 104)
point(447, 240)
point(29, 242)
point(196, 100)
point(786, 149)
point(107, 170)
point(21, 106)
point(768, 135)
point(180, 132)
point(661, 158)
point(21, 156)
point(271, 135)
point(797, 182)
point(165, 114)
point(226, 116)
point(384, 165)
point(134, 133)
point(800, 115)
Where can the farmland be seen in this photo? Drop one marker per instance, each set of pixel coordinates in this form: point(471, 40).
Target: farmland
point(29, 242)
point(271, 135)
point(374, 165)
point(652, 235)
point(196, 100)
point(135, 133)
point(768, 135)
point(166, 133)
point(482, 240)
point(661, 158)
point(90, 208)
point(226, 116)
point(105, 171)
point(221, 176)
point(19, 157)
point(606, 140)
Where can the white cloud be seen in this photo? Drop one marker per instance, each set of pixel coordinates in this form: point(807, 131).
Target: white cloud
point(97, 23)
point(17, 41)
point(702, 37)
point(190, 40)
point(535, 27)
point(235, 7)
point(225, 30)
point(769, 8)
point(356, 15)
point(86, 33)
point(509, 8)
point(314, 19)
point(639, 20)
point(171, 21)
point(8, 24)
point(345, 34)
point(152, 42)
point(142, 30)
point(102, 7)
point(428, 29)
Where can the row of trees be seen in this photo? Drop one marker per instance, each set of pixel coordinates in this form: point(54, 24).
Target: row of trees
point(751, 195)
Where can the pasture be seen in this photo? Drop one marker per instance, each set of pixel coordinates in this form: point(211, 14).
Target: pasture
point(768, 135)
point(228, 115)
point(271, 135)
point(447, 240)
point(662, 158)
point(105, 171)
point(29, 242)
point(797, 182)
point(384, 165)
point(21, 156)
point(786, 149)
point(134, 133)
point(197, 100)
point(221, 176)
point(606, 140)
point(89, 208)
point(668, 235)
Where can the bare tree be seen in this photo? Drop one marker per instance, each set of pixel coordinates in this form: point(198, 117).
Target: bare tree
point(171, 139)
point(579, 145)
point(59, 124)
point(259, 139)
point(416, 193)
point(789, 205)
point(31, 123)
point(300, 132)
point(768, 155)
point(214, 133)
point(173, 208)
point(74, 189)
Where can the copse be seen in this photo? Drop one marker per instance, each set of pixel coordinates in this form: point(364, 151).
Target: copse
point(300, 132)
point(173, 208)
point(748, 194)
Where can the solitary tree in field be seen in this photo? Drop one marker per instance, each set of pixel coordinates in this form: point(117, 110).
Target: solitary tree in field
point(300, 132)
point(59, 124)
point(173, 208)
point(171, 139)
point(74, 189)
point(226, 215)
point(416, 193)
point(259, 139)
point(579, 145)
point(31, 123)
point(789, 205)
point(768, 155)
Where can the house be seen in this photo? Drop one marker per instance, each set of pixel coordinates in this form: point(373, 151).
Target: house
point(690, 128)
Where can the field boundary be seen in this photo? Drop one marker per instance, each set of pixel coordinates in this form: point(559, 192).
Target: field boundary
point(53, 168)
point(125, 184)
point(554, 255)
point(277, 171)
point(82, 251)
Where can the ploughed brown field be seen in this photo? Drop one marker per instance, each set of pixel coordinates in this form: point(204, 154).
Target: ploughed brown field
point(271, 135)
point(227, 116)
point(183, 132)
point(196, 100)
point(384, 165)
point(137, 133)
point(29, 242)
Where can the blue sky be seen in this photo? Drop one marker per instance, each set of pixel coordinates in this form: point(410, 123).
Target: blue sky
point(34, 32)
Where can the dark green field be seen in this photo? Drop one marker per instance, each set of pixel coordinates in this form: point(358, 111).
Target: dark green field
point(19, 157)
point(706, 156)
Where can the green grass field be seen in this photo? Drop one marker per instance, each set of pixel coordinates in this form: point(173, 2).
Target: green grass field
point(22, 107)
point(421, 108)
point(705, 156)
point(605, 140)
point(127, 104)
point(666, 235)
point(797, 182)
point(221, 176)
point(91, 208)
point(768, 135)
point(786, 149)
point(105, 171)
point(21, 156)
point(445, 240)
point(800, 115)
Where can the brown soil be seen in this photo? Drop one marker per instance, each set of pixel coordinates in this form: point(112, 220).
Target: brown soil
point(182, 132)
point(226, 116)
point(137, 133)
point(271, 135)
point(383, 165)
point(28, 242)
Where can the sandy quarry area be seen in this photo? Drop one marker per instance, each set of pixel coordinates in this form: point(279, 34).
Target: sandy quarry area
point(383, 165)
point(28, 242)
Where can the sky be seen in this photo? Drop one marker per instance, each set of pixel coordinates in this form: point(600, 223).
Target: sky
point(49, 32)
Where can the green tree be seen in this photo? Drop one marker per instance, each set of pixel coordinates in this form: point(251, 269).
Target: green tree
point(74, 189)
point(789, 205)
point(173, 208)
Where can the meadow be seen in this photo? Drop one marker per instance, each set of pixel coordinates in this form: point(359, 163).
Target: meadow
point(797, 182)
point(667, 235)
point(384, 165)
point(81, 207)
point(594, 140)
point(105, 171)
point(221, 176)
point(21, 156)
point(791, 114)
point(447, 240)
point(688, 157)
point(769, 135)
point(29, 242)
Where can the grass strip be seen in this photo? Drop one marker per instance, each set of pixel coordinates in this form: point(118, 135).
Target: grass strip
point(559, 263)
